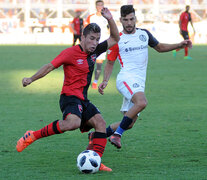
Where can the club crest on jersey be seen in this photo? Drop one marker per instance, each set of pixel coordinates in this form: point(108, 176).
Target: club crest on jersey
point(80, 108)
point(80, 61)
point(142, 37)
point(135, 85)
point(93, 57)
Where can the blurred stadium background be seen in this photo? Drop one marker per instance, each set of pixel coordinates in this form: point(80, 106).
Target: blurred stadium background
point(48, 21)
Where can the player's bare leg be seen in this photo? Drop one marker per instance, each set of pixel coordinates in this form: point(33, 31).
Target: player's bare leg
point(98, 138)
point(140, 103)
point(99, 64)
point(72, 122)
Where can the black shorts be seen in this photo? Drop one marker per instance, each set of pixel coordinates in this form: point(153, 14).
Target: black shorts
point(83, 109)
point(185, 34)
point(75, 37)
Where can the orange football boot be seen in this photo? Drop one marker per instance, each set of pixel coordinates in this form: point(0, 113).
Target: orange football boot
point(25, 141)
point(104, 168)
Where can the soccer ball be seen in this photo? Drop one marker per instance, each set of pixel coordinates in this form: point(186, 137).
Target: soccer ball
point(88, 162)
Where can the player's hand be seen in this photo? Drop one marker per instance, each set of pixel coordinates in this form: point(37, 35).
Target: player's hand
point(26, 81)
point(102, 86)
point(106, 13)
point(186, 43)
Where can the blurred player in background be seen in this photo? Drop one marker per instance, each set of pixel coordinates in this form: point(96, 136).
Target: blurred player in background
point(98, 19)
point(132, 53)
point(78, 112)
point(77, 26)
point(185, 18)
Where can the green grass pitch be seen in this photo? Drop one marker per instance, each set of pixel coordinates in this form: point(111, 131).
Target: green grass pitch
point(169, 140)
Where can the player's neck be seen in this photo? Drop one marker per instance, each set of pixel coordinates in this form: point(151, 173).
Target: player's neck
point(83, 48)
point(98, 13)
point(125, 32)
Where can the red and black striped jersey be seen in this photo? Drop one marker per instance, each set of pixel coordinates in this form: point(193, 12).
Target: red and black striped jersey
point(78, 68)
point(185, 17)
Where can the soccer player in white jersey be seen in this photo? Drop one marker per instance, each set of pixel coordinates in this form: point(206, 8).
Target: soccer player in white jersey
point(101, 21)
point(132, 53)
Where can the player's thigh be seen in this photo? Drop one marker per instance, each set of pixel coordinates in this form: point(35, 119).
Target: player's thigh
point(139, 98)
point(126, 106)
point(98, 123)
point(71, 122)
point(91, 118)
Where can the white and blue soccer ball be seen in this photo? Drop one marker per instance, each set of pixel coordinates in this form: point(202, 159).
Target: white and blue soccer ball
point(88, 162)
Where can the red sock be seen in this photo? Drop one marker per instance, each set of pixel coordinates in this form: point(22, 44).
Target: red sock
point(99, 142)
point(50, 129)
point(186, 51)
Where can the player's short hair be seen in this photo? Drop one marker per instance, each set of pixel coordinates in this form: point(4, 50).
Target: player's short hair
point(126, 9)
point(92, 27)
point(98, 1)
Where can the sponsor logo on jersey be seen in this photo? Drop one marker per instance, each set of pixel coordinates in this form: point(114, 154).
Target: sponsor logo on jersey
point(126, 42)
point(109, 51)
point(135, 85)
point(136, 48)
point(80, 108)
point(80, 61)
point(142, 38)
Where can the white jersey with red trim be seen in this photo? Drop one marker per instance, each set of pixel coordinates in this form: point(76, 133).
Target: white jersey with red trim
point(132, 53)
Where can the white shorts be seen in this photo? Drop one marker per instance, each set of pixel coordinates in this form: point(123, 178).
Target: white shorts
point(128, 86)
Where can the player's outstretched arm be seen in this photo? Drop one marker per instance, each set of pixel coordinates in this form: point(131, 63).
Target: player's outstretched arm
point(107, 73)
point(161, 47)
point(114, 33)
point(44, 70)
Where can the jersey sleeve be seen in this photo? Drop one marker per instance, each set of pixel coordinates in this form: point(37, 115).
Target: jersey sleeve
point(113, 53)
point(61, 59)
point(152, 40)
point(102, 47)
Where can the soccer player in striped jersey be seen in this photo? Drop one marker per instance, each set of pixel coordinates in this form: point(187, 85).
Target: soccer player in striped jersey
point(185, 18)
point(78, 112)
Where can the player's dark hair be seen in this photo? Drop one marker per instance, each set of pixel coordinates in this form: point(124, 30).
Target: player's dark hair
point(98, 1)
point(126, 9)
point(92, 27)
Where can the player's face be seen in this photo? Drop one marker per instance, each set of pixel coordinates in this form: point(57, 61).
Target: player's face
point(91, 41)
point(99, 6)
point(78, 13)
point(128, 23)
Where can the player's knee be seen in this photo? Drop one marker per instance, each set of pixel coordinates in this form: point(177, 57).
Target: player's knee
point(141, 104)
point(71, 123)
point(100, 125)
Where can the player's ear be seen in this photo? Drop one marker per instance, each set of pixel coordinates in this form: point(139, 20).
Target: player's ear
point(82, 37)
point(120, 19)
